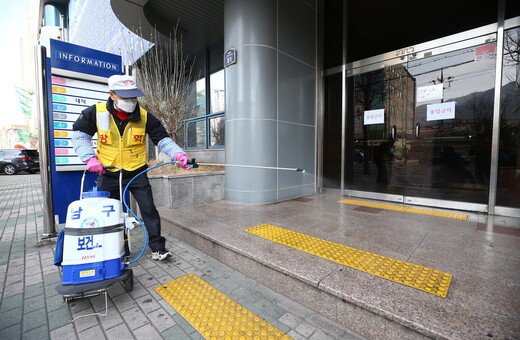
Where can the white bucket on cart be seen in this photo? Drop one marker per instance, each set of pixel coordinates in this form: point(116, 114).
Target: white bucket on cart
point(93, 246)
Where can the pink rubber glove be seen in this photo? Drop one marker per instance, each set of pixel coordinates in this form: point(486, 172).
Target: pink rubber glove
point(93, 165)
point(182, 160)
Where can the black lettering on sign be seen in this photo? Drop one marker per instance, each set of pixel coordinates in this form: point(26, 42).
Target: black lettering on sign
point(404, 51)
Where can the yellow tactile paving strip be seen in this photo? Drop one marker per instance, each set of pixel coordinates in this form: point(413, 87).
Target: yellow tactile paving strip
point(212, 313)
point(425, 279)
point(407, 209)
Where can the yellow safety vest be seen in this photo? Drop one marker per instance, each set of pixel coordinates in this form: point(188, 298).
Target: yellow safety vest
point(127, 151)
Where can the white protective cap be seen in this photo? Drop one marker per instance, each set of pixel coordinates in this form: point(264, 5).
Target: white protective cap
point(124, 86)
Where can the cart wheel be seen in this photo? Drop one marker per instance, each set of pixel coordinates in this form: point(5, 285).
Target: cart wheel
point(128, 283)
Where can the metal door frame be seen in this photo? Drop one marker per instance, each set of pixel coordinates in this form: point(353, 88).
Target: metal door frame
point(485, 34)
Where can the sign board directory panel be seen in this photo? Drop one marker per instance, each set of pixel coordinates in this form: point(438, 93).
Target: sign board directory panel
point(77, 78)
point(69, 98)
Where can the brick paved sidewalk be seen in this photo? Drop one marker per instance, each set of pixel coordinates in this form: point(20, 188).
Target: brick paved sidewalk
point(30, 308)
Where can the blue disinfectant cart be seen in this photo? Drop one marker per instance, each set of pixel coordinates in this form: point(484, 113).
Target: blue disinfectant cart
point(94, 249)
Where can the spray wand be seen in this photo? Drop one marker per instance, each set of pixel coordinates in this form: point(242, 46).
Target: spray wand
point(193, 164)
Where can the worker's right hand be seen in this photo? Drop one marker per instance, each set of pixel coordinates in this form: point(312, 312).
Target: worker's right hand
point(94, 165)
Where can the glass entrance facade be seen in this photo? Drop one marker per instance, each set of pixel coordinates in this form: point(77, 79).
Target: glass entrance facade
point(449, 147)
point(508, 184)
point(421, 123)
point(423, 128)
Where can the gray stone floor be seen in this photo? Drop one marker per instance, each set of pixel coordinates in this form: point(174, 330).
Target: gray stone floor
point(482, 253)
point(30, 308)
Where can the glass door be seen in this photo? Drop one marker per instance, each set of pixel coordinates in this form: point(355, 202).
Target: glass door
point(449, 147)
point(508, 185)
point(382, 112)
point(420, 131)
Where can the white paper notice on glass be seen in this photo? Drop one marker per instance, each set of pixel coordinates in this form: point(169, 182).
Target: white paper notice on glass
point(374, 117)
point(432, 92)
point(440, 111)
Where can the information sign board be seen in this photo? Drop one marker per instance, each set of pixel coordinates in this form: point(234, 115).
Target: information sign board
point(69, 98)
point(77, 78)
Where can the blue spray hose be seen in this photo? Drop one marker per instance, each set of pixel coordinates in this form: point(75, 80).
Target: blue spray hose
point(133, 214)
point(193, 164)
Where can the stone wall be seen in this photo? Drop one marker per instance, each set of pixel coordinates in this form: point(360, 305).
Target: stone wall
point(174, 191)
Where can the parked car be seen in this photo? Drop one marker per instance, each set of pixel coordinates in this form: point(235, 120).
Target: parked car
point(13, 161)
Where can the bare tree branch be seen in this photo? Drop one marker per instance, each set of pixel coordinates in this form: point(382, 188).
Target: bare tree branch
point(164, 76)
point(512, 55)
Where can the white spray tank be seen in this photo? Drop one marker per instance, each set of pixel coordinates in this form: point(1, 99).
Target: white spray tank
point(93, 248)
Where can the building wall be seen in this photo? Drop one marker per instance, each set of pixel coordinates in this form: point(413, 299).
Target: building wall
point(96, 26)
point(270, 99)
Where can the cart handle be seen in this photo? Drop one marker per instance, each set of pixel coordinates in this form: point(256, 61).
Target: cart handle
point(107, 168)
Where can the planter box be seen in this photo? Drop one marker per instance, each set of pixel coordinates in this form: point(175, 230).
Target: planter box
point(174, 191)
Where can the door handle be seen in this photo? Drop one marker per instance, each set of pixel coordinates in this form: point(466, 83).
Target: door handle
point(394, 132)
point(417, 130)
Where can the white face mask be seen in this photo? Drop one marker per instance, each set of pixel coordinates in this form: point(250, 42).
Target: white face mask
point(126, 105)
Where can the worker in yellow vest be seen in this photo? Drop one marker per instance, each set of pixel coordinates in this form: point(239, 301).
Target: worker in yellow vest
point(121, 126)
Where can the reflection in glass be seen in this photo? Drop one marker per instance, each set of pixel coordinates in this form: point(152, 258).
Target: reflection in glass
point(205, 127)
point(216, 134)
point(378, 154)
point(449, 98)
point(451, 158)
point(217, 92)
point(508, 185)
point(196, 131)
point(198, 85)
point(200, 95)
point(216, 61)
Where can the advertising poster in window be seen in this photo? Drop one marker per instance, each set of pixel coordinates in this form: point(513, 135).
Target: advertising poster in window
point(485, 52)
point(427, 93)
point(374, 117)
point(440, 111)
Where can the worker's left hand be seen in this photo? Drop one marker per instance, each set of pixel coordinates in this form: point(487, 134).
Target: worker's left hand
point(182, 160)
point(94, 165)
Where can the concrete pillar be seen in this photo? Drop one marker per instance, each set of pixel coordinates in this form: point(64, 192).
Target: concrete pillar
point(270, 99)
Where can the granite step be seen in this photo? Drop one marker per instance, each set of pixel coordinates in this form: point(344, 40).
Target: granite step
point(356, 315)
point(482, 301)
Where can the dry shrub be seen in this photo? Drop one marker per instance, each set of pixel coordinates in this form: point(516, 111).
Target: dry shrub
point(164, 76)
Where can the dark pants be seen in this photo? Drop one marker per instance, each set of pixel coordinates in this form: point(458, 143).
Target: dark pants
point(142, 191)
